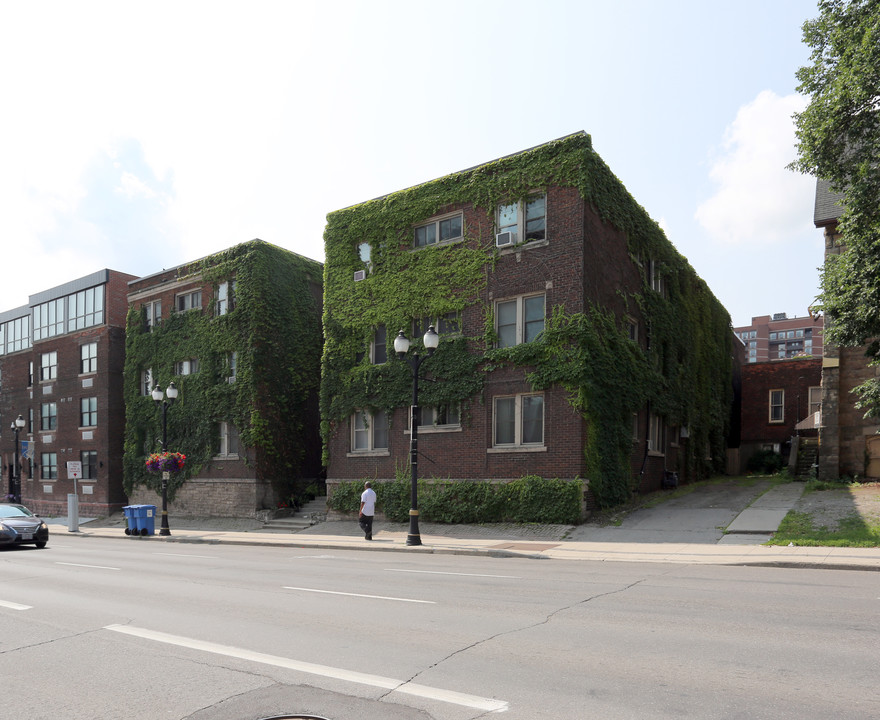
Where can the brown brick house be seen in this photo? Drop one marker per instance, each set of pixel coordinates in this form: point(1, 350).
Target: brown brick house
point(575, 341)
point(61, 358)
point(849, 442)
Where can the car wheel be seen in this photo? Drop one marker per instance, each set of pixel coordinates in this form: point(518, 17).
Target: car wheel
point(40, 544)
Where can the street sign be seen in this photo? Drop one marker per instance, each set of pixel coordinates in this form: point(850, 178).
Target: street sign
point(74, 469)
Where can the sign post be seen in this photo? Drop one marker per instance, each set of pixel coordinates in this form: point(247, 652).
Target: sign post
point(74, 471)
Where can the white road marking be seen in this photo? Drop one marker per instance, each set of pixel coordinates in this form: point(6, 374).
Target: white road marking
point(14, 606)
point(437, 572)
point(96, 567)
point(373, 597)
point(204, 557)
point(392, 684)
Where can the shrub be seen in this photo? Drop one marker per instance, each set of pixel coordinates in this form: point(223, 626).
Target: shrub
point(765, 461)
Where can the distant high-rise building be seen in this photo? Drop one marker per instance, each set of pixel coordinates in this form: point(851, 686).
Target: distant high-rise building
point(780, 337)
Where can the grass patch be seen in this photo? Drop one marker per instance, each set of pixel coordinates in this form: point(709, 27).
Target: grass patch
point(798, 528)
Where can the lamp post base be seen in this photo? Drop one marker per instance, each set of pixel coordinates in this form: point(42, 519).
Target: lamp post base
point(413, 537)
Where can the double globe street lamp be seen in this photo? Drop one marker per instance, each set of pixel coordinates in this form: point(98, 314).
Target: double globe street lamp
point(17, 426)
point(401, 346)
point(159, 398)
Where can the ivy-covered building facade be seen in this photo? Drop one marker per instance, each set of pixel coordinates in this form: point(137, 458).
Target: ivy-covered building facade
point(239, 335)
point(576, 342)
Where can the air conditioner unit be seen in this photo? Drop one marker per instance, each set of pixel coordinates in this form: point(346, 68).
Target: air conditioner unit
point(230, 379)
point(504, 239)
point(359, 275)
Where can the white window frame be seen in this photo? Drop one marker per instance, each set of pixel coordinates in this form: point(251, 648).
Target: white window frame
point(776, 402)
point(228, 438)
point(436, 229)
point(190, 366)
point(232, 366)
point(85, 308)
point(153, 310)
point(519, 225)
point(223, 300)
point(192, 300)
point(520, 322)
point(363, 433)
point(49, 319)
point(48, 466)
point(519, 401)
point(147, 382)
point(430, 415)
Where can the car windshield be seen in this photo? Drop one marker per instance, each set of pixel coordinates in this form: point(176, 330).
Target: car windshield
point(13, 511)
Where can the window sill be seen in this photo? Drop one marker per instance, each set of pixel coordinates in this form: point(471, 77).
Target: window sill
point(656, 453)
point(436, 429)
point(230, 456)
point(529, 245)
point(368, 453)
point(441, 243)
point(516, 449)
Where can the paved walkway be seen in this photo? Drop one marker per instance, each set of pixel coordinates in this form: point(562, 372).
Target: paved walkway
point(689, 530)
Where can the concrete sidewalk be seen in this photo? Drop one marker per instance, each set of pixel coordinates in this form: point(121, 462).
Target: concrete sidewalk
point(682, 530)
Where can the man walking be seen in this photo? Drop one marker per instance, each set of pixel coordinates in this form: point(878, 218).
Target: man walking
point(368, 509)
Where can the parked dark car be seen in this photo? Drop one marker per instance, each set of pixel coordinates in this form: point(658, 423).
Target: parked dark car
point(19, 526)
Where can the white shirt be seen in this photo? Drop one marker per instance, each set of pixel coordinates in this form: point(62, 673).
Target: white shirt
point(368, 498)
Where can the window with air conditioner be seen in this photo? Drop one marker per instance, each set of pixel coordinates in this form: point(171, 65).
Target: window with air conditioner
point(524, 221)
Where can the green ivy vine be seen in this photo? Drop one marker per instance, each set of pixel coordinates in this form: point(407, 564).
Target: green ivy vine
point(683, 374)
point(273, 326)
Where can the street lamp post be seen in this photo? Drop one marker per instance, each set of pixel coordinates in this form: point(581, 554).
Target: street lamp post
point(401, 345)
point(17, 426)
point(159, 398)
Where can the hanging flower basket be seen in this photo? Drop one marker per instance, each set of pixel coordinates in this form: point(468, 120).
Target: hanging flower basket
point(166, 462)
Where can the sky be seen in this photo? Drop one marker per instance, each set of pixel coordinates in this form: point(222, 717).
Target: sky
point(139, 136)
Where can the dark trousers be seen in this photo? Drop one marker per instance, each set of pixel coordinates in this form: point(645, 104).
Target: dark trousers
point(366, 523)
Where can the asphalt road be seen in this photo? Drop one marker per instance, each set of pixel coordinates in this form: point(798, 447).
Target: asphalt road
point(107, 629)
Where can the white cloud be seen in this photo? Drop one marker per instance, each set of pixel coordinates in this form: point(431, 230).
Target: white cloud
point(758, 200)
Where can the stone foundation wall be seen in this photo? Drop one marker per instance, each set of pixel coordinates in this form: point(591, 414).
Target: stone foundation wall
point(213, 497)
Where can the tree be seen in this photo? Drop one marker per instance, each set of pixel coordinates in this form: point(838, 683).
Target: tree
point(839, 140)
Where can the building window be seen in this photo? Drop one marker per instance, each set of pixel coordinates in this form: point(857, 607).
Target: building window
point(17, 333)
point(369, 431)
point(526, 220)
point(448, 324)
point(815, 399)
point(656, 278)
point(88, 412)
point(223, 298)
point(633, 329)
point(86, 308)
point(147, 382)
point(520, 320)
point(49, 319)
point(189, 301)
point(441, 230)
point(48, 366)
point(777, 406)
point(48, 416)
point(656, 434)
point(186, 367)
point(518, 420)
point(227, 440)
point(30, 373)
point(89, 460)
point(232, 366)
point(153, 311)
point(379, 347)
point(49, 466)
point(88, 358)
point(442, 416)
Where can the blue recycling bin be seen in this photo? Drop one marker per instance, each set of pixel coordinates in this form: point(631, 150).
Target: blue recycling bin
point(131, 527)
point(146, 519)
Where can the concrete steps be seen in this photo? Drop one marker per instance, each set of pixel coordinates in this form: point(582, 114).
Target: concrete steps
point(310, 514)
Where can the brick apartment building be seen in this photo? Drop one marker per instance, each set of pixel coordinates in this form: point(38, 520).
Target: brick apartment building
point(850, 444)
point(781, 338)
point(61, 364)
point(777, 398)
point(576, 342)
point(239, 334)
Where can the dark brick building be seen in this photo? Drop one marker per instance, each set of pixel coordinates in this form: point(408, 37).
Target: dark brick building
point(541, 271)
point(239, 333)
point(61, 359)
point(776, 397)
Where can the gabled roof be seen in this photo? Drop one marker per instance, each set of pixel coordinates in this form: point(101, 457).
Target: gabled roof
point(828, 208)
